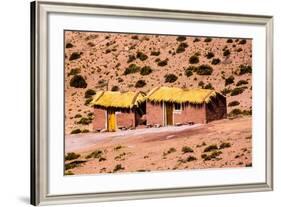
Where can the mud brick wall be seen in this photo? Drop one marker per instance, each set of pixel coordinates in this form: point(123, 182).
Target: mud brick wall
point(99, 121)
point(154, 113)
point(216, 109)
point(190, 113)
point(125, 119)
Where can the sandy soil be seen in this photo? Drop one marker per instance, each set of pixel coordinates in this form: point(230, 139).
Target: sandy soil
point(138, 152)
point(104, 58)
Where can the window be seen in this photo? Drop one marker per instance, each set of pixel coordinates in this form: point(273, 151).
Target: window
point(177, 107)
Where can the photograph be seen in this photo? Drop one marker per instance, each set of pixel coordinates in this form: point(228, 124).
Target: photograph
point(156, 102)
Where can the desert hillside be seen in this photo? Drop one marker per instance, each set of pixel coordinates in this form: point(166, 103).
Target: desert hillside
point(111, 61)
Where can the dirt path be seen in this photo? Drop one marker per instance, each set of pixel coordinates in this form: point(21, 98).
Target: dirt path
point(185, 147)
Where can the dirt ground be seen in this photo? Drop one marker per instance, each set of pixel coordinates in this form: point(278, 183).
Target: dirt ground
point(219, 144)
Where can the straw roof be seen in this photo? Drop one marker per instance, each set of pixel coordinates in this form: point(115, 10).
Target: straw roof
point(116, 99)
point(178, 95)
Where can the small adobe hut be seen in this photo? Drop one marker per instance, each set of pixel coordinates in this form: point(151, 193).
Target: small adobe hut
point(171, 106)
point(113, 109)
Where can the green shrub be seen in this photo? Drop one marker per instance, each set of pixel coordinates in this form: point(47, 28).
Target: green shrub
point(225, 145)
point(133, 68)
point(84, 121)
point(210, 55)
point(194, 59)
point(241, 82)
point(226, 53)
point(229, 80)
point(141, 56)
point(235, 112)
point(75, 131)
point(213, 155)
point(146, 70)
point(239, 49)
point(131, 58)
point(243, 69)
point(204, 70)
point(95, 154)
point(85, 131)
point(73, 164)
point(77, 116)
point(191, 158)
point(171, 150)
point(155, 53)
point(69, 173)
point(226, 91)
point(74, 71)
point(89, 93)
point(242, 42)
point(118, 167)
point(236, 91)
point(208, 39)
point(71, 156)
point(186, 149)
point(115, 88)
point(201, 84)
point(196, 40)
point(140, 84)
point(215, 61)
point(181, 38)
point(162, 62)
point(181, 47)
point(77, 81)
point(135, 37)
point(74, 56)
point(188, 72)
point(88, 101)
point(68, 45)
point(211, 148)
point(209, 86)
point(170, 78)
point(233, 103)
point(229, 41)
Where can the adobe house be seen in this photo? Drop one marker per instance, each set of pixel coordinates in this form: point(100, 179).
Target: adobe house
point(172, 106)
point(113, 109)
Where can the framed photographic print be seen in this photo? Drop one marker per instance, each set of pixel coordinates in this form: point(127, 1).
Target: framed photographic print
point(134, 103)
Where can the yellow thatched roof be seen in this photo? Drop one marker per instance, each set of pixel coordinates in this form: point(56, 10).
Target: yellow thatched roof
point(178, 95)
point(117, 99)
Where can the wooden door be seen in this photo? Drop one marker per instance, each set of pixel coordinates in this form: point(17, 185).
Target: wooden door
point(169, 114)
point(111, 121)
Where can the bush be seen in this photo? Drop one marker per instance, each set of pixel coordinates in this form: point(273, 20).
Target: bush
point(243, 69)
point(171, 150)
point(229, 41)
point(88, 101)
point(242, 42)
point(189, 71)
point(208, 39)
point(146, 70)
point(89, 93)
point(170, 78)
point(211, 148)
point(118, 167)
point(226, 53)
point(181, 38)
point(229, 80)
point(209, 55)
point(226, 91)
point(84, 121)
point(155, 53)
point(241, 82)
point(85, 131)
point(141, 56)
point(194, 59)
point(68, 45)
point(133, 68)
point(162, 62)
point(213, 155)
point(196, 40)
point(73, 164)
point(233, 103)
point(131, 58)
point(181, 47)
point(204, 70)
point(77, 81)
point(201, 84)
point(135, 37)
point(74, 71)
point(239, 49)
point(140, 84)
point(209, 86)
point(115, 88)
point(186, 149)
point(225, 145)
point(95, 154)
point(74, 56)
point(75, 131)
point(71, 156)
point(215, 61)
point(236, 91)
